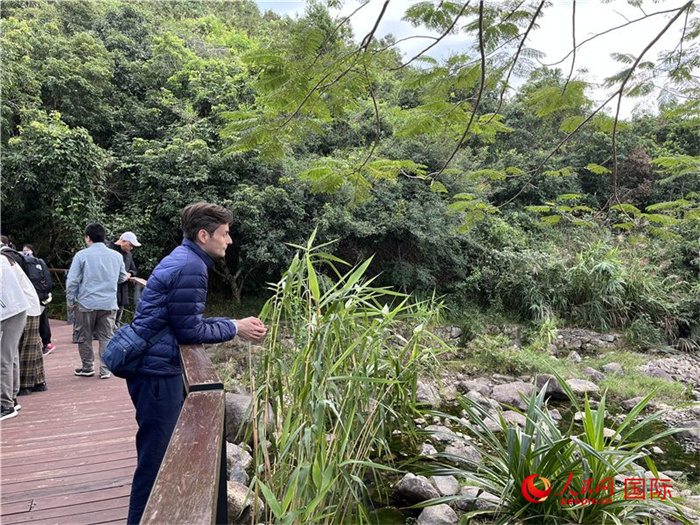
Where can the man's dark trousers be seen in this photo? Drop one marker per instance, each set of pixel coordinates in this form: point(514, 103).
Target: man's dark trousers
point(158, 401)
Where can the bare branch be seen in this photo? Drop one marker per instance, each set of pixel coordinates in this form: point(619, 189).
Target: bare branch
point(573, 37)
point(608, 31)
point(403, 40)
point(517, 55)
point(443, 35)
point(378, 123)
point(621, 92)
point(482, 52)
point(341, 24)
point(368, 37)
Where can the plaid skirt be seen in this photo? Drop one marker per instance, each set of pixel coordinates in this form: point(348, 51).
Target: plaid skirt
point(31, 359)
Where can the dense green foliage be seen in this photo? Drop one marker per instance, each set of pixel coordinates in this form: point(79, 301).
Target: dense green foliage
point(124, 112)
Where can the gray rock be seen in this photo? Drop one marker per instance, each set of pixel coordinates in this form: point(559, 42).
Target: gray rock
point(480, 399)
point(427, 394)
point(237, 462)
point(415, 489)
point(554, 389)
point(438, 515)
point(692, 433)
point(480, 385)
point(441, 434)
point(574, 357)
point(449, 393)
point(240, 508)
point(463, 453)
point(657, 450)
point(426, 449)
point(581, 386)
point(513, 418)
point(613, 368)
point(629, 404)
point(673, 474)
point(608, 433)
point(594, 374)
point(555, 414)
point(659, 373)
point(510, 394)
point(503, 378)
point(445, 485)
point(238, 416)
point(472, 498)
point(455, 332)
point(608, 338)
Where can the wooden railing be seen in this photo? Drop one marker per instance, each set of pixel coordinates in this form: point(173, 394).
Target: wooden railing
point(191, 483)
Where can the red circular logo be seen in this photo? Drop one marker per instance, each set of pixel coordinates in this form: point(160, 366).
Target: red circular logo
point(532, 493)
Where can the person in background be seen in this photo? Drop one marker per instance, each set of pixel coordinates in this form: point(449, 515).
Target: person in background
point(42, 285)
point(174, 301)
point(91, 292)
point(124, 245)
point(13, 315)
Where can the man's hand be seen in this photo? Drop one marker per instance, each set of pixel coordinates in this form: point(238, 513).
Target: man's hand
point(72, 306)
point(251, 328)
point(128, 276)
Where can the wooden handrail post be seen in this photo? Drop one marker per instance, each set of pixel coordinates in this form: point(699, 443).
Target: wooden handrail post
point(191, 484)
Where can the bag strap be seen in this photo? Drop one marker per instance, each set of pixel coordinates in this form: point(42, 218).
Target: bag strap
point(153, 340)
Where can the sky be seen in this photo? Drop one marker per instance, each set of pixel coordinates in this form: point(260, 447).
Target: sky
point(554, 36)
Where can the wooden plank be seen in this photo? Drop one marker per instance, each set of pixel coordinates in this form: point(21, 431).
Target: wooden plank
point(67, 500)
point(13, 471)
point(118, 514)
point(68, 511)
point(69, 456)
point(198, 369)
point(186, 488)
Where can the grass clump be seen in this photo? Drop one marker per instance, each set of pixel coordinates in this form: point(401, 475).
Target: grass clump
point(337, 396)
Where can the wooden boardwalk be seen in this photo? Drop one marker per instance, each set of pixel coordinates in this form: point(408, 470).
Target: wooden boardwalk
point(69, 456)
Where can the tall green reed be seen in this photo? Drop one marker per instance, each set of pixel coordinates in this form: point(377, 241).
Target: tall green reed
point(337, 379)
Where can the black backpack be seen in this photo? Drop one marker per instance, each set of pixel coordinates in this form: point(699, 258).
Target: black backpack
point(39, 275)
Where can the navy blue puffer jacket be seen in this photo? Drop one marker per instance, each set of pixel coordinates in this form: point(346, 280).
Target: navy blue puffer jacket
point(175, 298)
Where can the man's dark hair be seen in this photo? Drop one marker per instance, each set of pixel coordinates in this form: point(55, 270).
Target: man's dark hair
point(203, 216)
point(4, 239)
point(96, 232)
point(31, 247)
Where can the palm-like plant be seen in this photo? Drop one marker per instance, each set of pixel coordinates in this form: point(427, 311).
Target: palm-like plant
point(562, 456)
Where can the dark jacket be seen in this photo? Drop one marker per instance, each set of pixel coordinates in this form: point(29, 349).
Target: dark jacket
point(123, 288)
point(174, 297)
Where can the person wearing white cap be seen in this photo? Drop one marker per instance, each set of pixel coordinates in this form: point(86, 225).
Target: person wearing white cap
point(124, 245)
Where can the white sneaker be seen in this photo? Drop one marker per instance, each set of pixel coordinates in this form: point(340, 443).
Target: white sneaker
point(8, 414)
point(106, 375)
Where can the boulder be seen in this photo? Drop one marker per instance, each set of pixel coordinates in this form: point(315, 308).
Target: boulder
point(441, 434)
point(445, 485)
point(238, 416)
point(574, 357)
point(554, 389)
point(513, 418)
point(415, 489)
point(240, 508)
point(555, 414)
point(238, 460)
point(427, 394)
point(581, 386)
point(593, 374)
point(437, 515)
point(473, 498)
point(613, 368)
point(463, 453)
point(629, 404)
point(428, 450)
point(510, 394)
point(691, 431)
point(480, 399)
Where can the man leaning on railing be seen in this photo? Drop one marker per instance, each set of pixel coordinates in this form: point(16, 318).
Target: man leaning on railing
point(172, 307)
